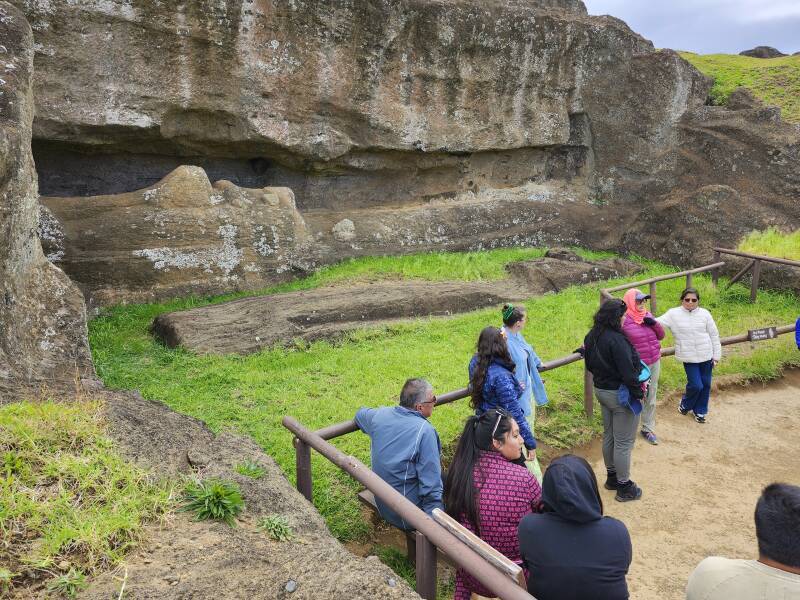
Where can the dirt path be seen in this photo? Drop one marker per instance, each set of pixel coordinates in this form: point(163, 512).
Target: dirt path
point(701, 482)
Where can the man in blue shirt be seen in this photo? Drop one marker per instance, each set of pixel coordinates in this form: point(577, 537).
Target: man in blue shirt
point(406, 449)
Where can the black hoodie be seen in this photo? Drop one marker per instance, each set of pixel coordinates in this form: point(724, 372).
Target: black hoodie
point(571, 550)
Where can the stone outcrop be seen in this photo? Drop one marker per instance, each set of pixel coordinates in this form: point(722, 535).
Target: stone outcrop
point(181, 236)
point(42, 314)
point(762, 52)
point(252, 324)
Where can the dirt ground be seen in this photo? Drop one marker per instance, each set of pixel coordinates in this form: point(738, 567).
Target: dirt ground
point(701, 483)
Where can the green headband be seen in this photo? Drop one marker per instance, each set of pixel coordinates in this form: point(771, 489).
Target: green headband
point(508, 312)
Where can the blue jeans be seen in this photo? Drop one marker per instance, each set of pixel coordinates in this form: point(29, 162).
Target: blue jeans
point(698, 387)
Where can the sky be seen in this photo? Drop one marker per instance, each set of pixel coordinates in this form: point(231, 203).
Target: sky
point(709, 26)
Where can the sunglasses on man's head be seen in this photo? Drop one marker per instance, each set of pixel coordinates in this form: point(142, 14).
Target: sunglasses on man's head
point(692, 300)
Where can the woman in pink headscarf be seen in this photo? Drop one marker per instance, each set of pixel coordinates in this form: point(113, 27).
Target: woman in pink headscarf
point(645, 334)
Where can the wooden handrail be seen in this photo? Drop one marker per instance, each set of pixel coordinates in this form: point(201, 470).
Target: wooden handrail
point(773, 259)
point(626, 286)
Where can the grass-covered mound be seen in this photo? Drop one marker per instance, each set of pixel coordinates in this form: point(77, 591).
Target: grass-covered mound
point(70, 506)
point(772, 242)
point(324, 383)
point(776, 81)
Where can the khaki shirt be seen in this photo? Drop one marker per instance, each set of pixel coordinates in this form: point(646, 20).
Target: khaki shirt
point(717, 578)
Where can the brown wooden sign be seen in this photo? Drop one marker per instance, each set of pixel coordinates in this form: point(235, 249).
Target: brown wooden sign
point(758, 335)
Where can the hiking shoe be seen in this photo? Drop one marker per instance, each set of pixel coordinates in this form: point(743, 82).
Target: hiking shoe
point(700, 418)
point(611, 482)
point(650, 437)
point(683, 411)
point(627, 492)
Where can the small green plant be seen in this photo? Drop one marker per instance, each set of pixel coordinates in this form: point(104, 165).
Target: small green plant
point(13, 463)
point(250, 468)
point(213, 499)
point(68, 584)
point(277, 527)
point(5, 579)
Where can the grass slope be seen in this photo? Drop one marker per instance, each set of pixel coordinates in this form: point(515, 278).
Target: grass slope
point(323, 383)
point(776, 81)
point(772, 242)
point(69, 504)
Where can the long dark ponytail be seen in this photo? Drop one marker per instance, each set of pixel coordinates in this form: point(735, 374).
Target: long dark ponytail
point(460, 497)
point(491, 345)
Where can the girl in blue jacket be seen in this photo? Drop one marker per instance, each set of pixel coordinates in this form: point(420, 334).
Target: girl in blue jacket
point(526, 367)
point(494, 385)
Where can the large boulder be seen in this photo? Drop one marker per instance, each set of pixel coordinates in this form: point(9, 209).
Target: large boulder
point(762, 52)
point(42, 314)
point(181, 236)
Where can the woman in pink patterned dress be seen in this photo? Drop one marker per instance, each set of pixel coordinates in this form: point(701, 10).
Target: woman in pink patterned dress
point(488, 490)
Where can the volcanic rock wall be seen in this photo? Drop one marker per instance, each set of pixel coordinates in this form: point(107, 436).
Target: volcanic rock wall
point(42, 315)
point(399, 126)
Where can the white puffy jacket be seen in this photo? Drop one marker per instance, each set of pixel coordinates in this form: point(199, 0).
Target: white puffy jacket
point(696, 335)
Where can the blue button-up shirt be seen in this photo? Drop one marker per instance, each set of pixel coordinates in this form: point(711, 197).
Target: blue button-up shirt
point(405, 454)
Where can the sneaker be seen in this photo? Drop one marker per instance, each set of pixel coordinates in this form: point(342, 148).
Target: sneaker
point(611, 481)
point(700, 418)
point(627, 492)
point(650, 437)
point(683, 411)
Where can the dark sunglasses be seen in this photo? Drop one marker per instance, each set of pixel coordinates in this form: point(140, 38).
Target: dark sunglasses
point(692, 300)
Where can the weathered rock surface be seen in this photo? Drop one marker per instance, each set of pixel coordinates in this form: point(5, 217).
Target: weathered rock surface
point(181, 236)
point(251, 324)
point(186, 559)
point(42, 314)
point(762, 52)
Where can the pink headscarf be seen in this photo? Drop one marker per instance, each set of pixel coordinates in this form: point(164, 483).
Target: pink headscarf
point(637, 313)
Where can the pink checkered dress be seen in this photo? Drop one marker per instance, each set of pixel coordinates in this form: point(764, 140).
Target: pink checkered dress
point(506, 493)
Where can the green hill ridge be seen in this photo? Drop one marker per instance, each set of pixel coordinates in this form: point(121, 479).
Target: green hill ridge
point(775, 81)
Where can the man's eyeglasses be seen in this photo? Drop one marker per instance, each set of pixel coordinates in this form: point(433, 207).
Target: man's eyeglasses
point(692, 300)
point(431, 401)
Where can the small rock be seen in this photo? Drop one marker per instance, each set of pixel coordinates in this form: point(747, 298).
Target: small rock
point(171, 579)
point(392, 582)
point(197, 458)
point(344, 230)
point(291, 586)
point(63, 565)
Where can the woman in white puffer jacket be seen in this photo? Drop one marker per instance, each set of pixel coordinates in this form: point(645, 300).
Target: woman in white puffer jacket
point(697, 346)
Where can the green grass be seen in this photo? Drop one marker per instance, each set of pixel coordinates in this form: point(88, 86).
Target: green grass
point(69, 504)
point(776, 81)
point(277, 527)
point(773, 243)
point(323, 383)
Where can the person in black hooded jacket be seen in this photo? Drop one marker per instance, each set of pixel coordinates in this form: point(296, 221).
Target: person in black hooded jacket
point(614, 363)
point(572, 551)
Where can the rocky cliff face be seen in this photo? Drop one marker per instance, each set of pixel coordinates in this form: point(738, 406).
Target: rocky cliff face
point(399, 126)
point(42, 315)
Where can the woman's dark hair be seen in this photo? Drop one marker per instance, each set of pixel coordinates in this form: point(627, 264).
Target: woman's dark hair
point(491, 345)
point(568, 460)
point(607, 317)
point(460, 497)
point(690, 290)
point(512, 314)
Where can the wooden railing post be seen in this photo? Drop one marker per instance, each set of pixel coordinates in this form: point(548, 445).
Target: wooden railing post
point(689, 280)
point(754, 283)
point(653, 307)
point(588, 391)
point(425, 567)
point(715, 272)
point(303, 465)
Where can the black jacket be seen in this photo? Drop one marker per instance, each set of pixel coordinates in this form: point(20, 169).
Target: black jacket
point(613, 361)
point(572, 551)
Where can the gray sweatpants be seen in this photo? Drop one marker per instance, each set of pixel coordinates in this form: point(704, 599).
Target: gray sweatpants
point(619, 433)
point(649, 401)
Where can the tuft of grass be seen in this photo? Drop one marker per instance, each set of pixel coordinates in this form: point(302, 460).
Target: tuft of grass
point(68, 584)
point(277, 527)
point(773, 242)
point(323, 383)
point(776, 81)
point(250, 468)
point(66, 495)
point(213, 499)
point(6, 578)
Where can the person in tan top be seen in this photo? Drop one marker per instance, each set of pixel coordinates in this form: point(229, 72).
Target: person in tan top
point(776, 573)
